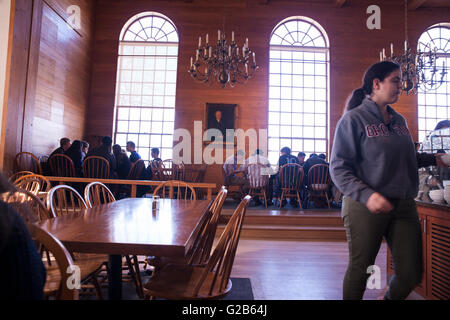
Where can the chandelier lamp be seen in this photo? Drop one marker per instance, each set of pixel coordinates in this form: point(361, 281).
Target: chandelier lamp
point(420, 69)
point(226, 63)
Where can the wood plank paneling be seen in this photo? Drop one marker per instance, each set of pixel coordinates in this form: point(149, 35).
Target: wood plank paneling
point(64, 76)
point(50, 77)
point(352, 49)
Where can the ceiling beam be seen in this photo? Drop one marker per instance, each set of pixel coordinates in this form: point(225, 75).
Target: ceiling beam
point(415, 4)
point(339, 3)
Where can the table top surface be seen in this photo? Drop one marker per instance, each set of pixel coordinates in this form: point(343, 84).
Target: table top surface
point(130, 226)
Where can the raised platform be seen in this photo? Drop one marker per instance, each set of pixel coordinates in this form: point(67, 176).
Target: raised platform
point(289, 224)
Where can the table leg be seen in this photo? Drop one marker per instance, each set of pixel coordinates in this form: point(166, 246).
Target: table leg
point(115, 277)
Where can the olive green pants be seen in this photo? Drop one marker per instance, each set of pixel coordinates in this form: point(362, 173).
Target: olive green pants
point(365, 232)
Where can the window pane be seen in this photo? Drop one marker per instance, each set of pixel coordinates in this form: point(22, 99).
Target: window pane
point(298, 99)
point(147, 79)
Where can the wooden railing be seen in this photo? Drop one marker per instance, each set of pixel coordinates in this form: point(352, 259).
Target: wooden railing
point(134, 183)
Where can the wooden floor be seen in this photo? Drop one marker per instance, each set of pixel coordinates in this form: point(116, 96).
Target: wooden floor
point(299, 270)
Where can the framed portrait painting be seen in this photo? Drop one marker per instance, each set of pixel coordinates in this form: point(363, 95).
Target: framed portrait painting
point(220, 116)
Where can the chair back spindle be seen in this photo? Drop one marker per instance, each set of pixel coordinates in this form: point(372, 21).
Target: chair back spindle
point(96, 167)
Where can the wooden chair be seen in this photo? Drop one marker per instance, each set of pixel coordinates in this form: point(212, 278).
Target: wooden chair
point(235, 190)
point(35, 183)
point(30, 208)
point(95, 194)
point(290, 179)
point(26, 202)
point(136, 170)
point(62, 166)
point(19, 174)
point(174, 189)
point(26, 161)
point(319, 181)
point(62, 200)
point(57, 277)
point(96, 167)
point(258, 178)
point(201, 248)
point(31, 184)
point(210, 281)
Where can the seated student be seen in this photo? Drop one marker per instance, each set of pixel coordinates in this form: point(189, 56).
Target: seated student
point(230, 166)
point(75, 153)
point(154, 164)
point(285, 158)
point(257, 157)
point(123, 163)
point(134, 156)
point(64, 144)
point(105, 151)
point(21, 266)
point(312, 160)
point(84, 148)
point(323, 157)
point(301, 158)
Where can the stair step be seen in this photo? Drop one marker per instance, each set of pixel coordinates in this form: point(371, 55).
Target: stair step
point(288, 220)
point(291, 232)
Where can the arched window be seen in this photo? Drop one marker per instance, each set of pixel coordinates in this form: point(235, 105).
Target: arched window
point(146, 84)
point(298, 88)
point(434, 105)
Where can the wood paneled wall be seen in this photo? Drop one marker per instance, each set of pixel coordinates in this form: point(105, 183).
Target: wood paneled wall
point(353, 47)
point(50, 78)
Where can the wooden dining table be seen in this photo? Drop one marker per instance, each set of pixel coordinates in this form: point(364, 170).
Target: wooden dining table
point(130, 227)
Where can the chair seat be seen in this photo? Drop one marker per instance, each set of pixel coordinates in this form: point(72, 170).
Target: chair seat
point(159, 262)
point(177, 281)
point(88, 264)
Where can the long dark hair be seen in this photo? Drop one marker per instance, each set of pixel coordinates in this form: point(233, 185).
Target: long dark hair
point(379, 71)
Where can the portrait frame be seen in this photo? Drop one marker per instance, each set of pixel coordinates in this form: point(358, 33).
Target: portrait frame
point(229, 116)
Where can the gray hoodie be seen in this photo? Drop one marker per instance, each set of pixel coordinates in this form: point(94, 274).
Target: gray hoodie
point(369, 156)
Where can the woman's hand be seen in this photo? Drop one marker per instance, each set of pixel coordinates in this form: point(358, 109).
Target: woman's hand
point(378, 204)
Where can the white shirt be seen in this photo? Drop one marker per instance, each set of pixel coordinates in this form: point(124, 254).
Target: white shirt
point(255, 159)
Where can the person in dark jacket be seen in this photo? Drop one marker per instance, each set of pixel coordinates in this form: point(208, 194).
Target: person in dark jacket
point(105, 151)
point(23, 272)
point(64, 144)
point(75, 153)
point(375, 165)
point(123, 163)
point(312, 160)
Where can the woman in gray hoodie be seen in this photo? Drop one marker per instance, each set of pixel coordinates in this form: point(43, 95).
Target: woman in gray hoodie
point(374, 163)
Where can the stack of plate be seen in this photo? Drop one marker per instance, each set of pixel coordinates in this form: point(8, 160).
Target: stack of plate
point(437, 195)
point(447, 194)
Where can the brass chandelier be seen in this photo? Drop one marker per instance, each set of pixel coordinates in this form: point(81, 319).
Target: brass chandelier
point(226, 63)
point(420, 69)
